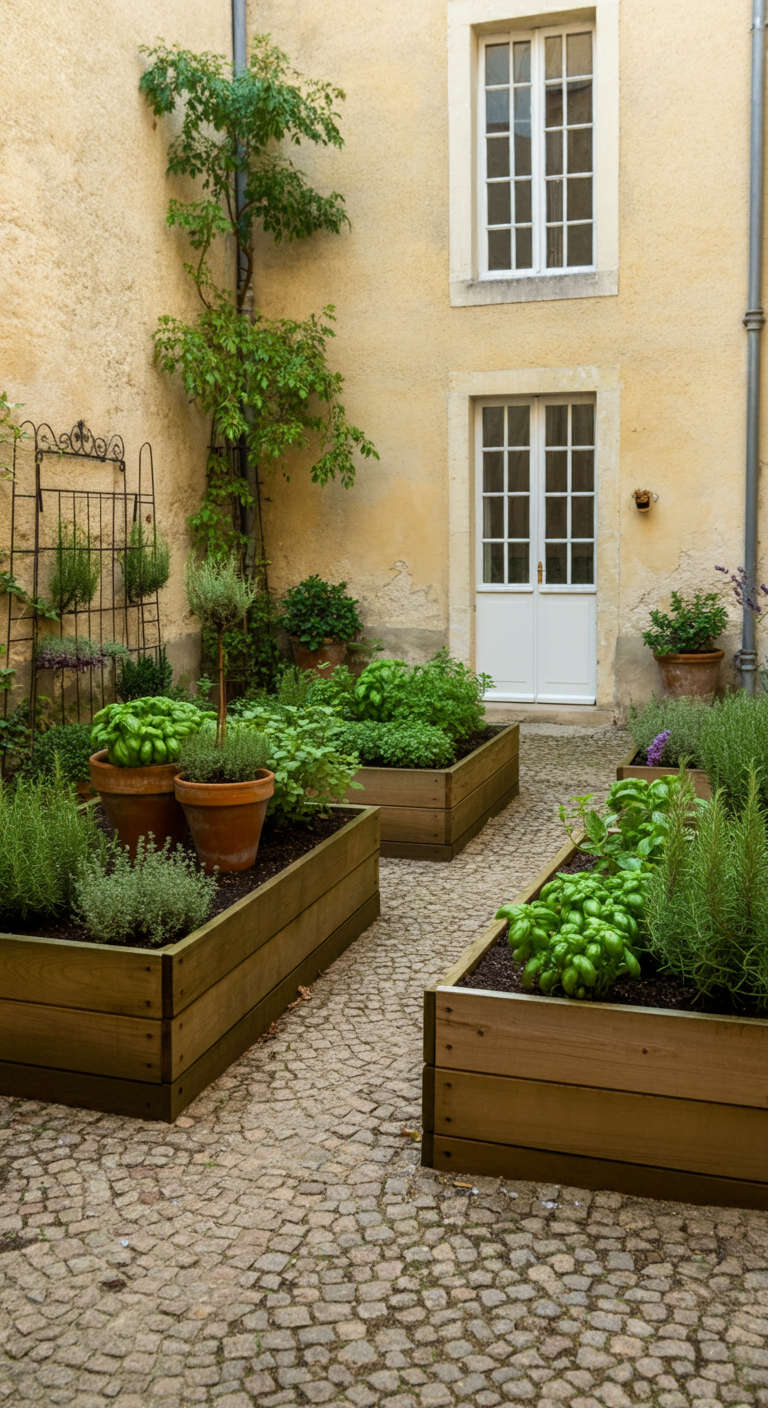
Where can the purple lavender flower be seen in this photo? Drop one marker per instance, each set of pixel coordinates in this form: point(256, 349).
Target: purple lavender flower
point(655, 750)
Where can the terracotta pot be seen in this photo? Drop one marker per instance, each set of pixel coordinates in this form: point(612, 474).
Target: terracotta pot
point(322, 661)
point(226, 818)
point(691, 675)
point(139, 800)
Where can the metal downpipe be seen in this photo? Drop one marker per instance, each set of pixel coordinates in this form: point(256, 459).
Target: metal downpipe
point(753, 322)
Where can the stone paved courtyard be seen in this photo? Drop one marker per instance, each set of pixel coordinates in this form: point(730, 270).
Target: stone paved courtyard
point(281, 1245)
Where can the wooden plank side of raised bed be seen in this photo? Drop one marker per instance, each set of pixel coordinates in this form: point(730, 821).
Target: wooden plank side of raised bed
point(478, 805)
point(414, 826)
point(244, 1033)
point(690, 1055)
point(401, 787)
point(696, 1135)
point(92, 976)
point(471, 772)
point(575, 1171)
point(701, 783)
point(138, 1099)
point(68, 1038)
point(202, 1023)
point(194, 964)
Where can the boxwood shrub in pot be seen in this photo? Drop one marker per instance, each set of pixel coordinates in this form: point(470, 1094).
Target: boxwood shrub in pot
point(321, 618)
point(683, 643)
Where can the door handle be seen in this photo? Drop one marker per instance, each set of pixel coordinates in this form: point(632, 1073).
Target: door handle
point(540, 573)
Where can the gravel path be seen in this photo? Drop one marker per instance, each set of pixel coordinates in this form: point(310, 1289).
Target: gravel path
point(281, 1245)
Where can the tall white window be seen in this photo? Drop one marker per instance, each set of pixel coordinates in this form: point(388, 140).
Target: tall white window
point(536, 160)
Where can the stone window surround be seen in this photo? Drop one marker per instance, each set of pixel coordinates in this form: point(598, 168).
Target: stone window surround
point(465, 389)
point(466, 20)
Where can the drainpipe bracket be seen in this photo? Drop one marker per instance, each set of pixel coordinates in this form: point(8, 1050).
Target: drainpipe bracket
point(753, 319)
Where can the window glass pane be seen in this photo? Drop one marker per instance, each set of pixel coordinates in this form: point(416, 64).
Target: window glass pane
point(557, 518)
point(497, 63)
point(557, 471)
point(555, 563)
point(554, 105)
point(518, 516)
point(579, 52)
point(554, 200)
point(579, 149)
point(554, 153)
point(580, 102)
point(583, 424)
point(497, 158)
point(499, 205)
point(493, 425)
point(493, 562)
point(554, 56)
point(522, 62)
point(582, 516)
point(579, 244)
point(499, 249)
point(523, 111)
point(522, 154)
point(580, 198)
point(583, 470)
point(493, 472)
point(518, 562)
point(557, 425)
point(523, 249)
point(583, 564)
point(555, 247)
point(518, 425)
point(493, 517)
point(522, 201)
point(497, 110)
point(519, 471)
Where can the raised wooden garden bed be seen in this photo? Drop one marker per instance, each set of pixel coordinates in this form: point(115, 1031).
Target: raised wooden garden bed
point(432, 814)
point(141, 1032)
point(662, 1103)
point(627, 768)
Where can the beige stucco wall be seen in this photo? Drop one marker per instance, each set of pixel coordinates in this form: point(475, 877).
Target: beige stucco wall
point(673, 335)
point(88, 263)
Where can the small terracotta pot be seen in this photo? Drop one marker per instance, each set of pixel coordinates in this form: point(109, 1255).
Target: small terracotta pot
point(139, 800)
point(226, 818)
point(330, 654)
point(695, 675)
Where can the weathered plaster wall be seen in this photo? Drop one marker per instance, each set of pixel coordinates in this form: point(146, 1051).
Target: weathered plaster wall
point(673, 334)
point(88, 263)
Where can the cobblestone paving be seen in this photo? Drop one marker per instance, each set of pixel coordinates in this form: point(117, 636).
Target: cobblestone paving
point(281, 1245)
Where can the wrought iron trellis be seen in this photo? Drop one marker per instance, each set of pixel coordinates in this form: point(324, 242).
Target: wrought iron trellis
point(39, 510)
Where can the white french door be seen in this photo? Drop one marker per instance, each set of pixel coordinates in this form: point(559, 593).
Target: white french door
point(535, 535)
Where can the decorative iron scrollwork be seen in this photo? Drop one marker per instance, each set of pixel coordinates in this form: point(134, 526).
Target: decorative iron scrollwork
point(81, 442)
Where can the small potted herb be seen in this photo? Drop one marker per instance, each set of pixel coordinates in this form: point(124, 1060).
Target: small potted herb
point(224, 786)
point(683, 643)
point(321, 619)
point(77, 571)
point(146, 562)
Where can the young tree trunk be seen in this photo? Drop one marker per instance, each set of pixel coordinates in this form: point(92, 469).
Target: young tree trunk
point(221, 728)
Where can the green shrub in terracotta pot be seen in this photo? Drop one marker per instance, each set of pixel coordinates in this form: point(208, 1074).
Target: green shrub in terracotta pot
point(683, 642)
point(321, 619)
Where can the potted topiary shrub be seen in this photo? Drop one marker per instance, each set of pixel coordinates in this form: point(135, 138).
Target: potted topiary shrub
point(683, 643)
point(321, 619)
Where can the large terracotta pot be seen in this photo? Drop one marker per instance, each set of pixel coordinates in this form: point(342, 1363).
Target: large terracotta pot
point(226, 818)
point(139, 800)
point(691, 675)
point(330, 654)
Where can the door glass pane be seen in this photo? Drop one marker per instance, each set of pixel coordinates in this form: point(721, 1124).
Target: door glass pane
point(583, 424)
point(557, 518)
point(554, 153)
point(499, 205)
point(554, 200)
point(555, 564)
point(579, 245)
point(493, 562)
point(519, 425)
point(497, 110)
point(518, 570)
point(497, 63)
point(554, 105)
point(554, 247)
point(579, 53)
point(553, 49)
point(582, 516)
point(519, 476)
point(497, 149)
point(523, 248)
point(493, 425)
point(579, 148)
point(522, 153)
point(583, 471)
point(557, 425)
point(522, 62)
point(518, 516)
point(583, 564)
point(522, 202)
point(499, 249)
point(493, 472)
point(579, 102)
point(580, 198)
point(493, 517)
point(557, 471)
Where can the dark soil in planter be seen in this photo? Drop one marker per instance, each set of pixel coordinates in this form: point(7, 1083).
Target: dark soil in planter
point(278, 849)
point(497, 971)
point(468, 745)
